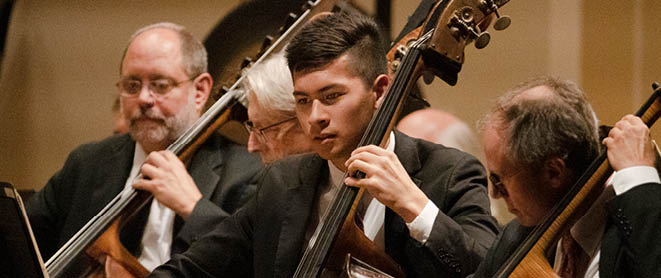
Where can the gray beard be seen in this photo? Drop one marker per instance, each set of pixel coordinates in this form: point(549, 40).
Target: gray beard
point(166, 129)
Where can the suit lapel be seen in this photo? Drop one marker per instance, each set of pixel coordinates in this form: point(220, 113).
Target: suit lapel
point(202, 169)
point(300, 198)
point(116, 166)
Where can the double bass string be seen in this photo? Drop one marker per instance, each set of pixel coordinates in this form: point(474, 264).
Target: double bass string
point(321, 241)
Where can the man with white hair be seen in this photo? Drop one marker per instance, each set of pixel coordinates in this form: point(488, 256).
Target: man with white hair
point(274, 130)
point(163, 85)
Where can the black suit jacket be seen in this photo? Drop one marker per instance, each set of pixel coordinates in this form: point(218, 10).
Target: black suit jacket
point(629, 247)
point(266, 237)
point(95, 173)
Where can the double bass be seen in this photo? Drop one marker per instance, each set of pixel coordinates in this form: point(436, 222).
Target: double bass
point(436, 48)
point(530, 257)
point(83, 254)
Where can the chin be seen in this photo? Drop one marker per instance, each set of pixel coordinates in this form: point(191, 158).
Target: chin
point(527, 222)
point(323, 151)
point(149, 135)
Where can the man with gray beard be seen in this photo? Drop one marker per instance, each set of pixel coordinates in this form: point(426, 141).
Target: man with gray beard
point(163, 86)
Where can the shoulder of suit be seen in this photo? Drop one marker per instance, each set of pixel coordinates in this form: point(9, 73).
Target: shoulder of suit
point(110, 144)
point(230, 150)
point(425, 147)
point(297, 160)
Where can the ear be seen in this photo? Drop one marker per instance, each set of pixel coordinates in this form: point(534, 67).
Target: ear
point(557, 173)
point(380, 88)
point(203, 84)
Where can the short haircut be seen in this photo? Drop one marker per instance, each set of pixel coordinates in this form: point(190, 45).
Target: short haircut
point(271, 84)
point(325, 39)
point(193, 53)
point(558, 124)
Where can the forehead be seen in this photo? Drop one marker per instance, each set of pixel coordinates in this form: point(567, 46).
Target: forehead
point(494, 147)
point(261, 116)
point(153, 51)
point(335, 74)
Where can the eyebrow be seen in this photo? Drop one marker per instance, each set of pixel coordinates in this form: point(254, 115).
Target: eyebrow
point(152, 76)
point(322, 90)
point(330, 87)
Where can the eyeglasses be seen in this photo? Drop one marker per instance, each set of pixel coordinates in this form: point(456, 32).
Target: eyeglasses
point(159, 88)
point(498, 186)
point(259, 132)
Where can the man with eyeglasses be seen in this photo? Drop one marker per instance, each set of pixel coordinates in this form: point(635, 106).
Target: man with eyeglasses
point(274, 129)
point(163, 86)
point(425, 205)
point(538, 140)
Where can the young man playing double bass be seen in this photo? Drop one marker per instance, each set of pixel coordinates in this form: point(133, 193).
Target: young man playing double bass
point(427, 204)
point(538, 140)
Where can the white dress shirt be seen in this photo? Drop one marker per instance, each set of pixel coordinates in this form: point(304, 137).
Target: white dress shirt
point(374, 214)
point(157, 237)
point(589, 229)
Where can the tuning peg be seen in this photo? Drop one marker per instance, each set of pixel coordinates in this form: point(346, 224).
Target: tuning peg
point(502, 23)
point(246, 62)
point(482, 40)
point(655, 86)
point(268, 40)
point(291, 18)
point(307, 5)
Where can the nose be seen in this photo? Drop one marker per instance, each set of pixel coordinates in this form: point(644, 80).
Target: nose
point(253, 143)
point(145, 97)
point(495, 194)
point(508, 203)
point(318, 116)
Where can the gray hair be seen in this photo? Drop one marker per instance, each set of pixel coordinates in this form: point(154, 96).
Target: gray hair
point(271, 84)
point(193, 53)
point(560, 123)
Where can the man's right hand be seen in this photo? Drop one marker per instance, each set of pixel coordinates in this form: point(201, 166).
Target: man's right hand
point(629, 144)
point(166, 177)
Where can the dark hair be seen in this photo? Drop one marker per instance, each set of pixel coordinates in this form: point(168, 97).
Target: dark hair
point(558, 123)
point(325, 39)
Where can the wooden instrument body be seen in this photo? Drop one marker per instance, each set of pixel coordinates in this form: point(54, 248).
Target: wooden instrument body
point(337, 235)
point(84, 254)
point(530, 258)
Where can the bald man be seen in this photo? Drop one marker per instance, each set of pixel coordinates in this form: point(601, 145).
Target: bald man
point(440, 127)
point(163, 85)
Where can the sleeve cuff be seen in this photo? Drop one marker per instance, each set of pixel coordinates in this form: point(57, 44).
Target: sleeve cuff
point(628, 178)
point(420, 228)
